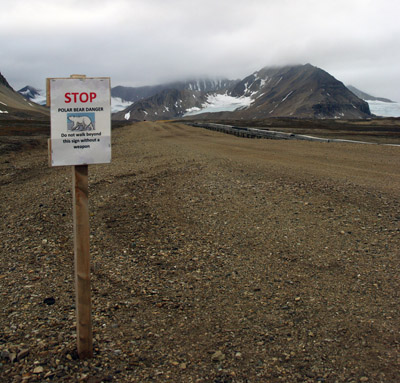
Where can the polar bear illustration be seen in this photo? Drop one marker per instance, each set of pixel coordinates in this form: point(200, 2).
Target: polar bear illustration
point(81, 123)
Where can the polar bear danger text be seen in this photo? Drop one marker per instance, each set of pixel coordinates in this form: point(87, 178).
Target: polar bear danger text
point(93, 109)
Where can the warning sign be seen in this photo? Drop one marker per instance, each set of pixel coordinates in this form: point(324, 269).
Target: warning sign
point(80, 121)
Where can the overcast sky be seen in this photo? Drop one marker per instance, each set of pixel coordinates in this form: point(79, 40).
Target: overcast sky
point(145, 42)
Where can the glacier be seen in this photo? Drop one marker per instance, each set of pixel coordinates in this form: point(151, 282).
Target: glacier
point(117, 104)
point(384, 109)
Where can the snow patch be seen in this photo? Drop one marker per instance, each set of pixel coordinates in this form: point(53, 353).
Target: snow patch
point(3, 103)
point(192, 111)
point(127, 116)
point(263, 82)
point(285, 98)
point(220, 103)
point(25, 92)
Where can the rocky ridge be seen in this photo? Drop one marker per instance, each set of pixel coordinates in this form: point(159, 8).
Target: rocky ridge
point(365, 96)
point(299, 91)
point(13, 106)
point(4, 82)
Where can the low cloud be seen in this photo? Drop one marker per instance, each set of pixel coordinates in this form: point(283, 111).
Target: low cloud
point(139, 43)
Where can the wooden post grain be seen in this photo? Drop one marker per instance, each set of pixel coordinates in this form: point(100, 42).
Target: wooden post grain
point(82, 261)
point(80, 186)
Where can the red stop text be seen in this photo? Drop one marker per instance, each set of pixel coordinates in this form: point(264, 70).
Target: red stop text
point(79, 97)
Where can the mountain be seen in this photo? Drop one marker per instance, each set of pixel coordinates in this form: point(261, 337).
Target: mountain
point(32, 94)
point(14, 106)
point(365, 96)
point(299, 91)
point(302, 91)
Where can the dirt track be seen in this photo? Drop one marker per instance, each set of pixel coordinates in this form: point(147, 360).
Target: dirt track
point(215, 259)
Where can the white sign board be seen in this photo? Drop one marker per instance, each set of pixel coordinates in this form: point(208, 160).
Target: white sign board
point(80, 115)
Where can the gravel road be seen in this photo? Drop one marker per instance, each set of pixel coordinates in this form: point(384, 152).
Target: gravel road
point(214, 259)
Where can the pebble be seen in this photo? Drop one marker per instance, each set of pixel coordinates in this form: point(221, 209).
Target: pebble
point(23, 353)
point(218, 356)
point(49, 301)
point(38, 370)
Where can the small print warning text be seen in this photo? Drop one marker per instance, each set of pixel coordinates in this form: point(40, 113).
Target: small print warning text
point(88, 109)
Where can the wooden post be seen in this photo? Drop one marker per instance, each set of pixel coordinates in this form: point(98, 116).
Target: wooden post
point(80, 187)
point(82, 261)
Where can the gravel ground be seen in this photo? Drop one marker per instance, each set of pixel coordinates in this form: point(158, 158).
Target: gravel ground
point(214, 259)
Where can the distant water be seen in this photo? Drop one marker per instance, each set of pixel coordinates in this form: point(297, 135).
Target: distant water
point(384, 109)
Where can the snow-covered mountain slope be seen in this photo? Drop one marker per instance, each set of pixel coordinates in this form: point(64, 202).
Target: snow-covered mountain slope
point(201, 85)
point(168, 104)
point(37, 96)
